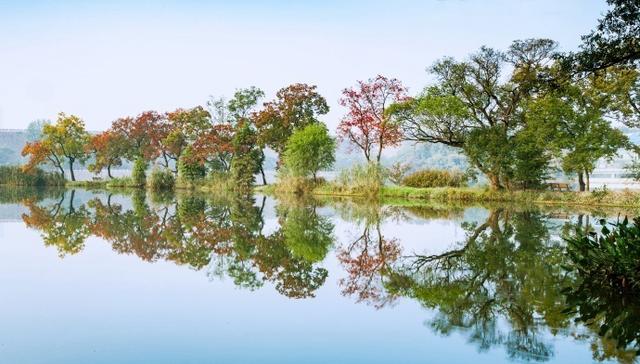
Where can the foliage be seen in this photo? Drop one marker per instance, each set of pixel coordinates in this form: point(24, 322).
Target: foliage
point(295, 107)
point(367, 125)
point(161, 180)
point(434, 178)
point(474, 107)
point(66, 139)
point(608, 268)
point(613, 42)
point(16, 176)
point(309, 150)
point(143, 134)
point(139, 172)
point(247, 155)
point(611, 258)
point(108, 149)
point(190, 170)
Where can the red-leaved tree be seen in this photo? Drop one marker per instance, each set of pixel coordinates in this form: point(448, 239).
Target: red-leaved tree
point(366, 125)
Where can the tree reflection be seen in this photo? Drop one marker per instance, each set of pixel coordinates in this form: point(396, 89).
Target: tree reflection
point(223, 234)
point(500, 287)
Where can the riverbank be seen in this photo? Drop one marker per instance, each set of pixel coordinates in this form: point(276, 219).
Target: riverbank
point(599, 197)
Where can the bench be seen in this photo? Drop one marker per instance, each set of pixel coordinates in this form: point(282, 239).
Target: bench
point(558, 186)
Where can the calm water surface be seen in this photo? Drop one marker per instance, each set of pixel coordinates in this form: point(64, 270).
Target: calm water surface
point(92, 277)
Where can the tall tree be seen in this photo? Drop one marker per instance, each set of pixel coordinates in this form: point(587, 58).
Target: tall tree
point(294, 107)
point(66, 139)
point(367, 124)
point(614, 42)
point(143, 133)
point(41, 152)
point(474, 107)
point(310, 150)
point(108, 148)
point(183, 128)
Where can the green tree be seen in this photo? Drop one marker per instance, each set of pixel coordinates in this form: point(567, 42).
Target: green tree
point(573, 121)
point(474, 107)
point(295, 107)
point(190, 169)
point(309, 150)
point(246, 157)
point(67, 138)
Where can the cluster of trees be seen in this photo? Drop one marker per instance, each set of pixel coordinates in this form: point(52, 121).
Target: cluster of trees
point(229, 136)
point(517, 115)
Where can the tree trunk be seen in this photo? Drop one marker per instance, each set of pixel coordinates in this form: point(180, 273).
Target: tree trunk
point(73, 176)
point(588, 182)
point(494, 182)
point(264, 179)
point(581, 181)
point(109, 171)
point(72, 197)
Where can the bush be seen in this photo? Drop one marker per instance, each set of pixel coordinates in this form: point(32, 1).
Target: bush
point(15, 176)
point(611, 258)
point(161, 180)
point(434, 178)
point(139, 173)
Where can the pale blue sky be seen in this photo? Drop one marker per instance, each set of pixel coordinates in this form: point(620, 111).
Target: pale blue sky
point(105, 60)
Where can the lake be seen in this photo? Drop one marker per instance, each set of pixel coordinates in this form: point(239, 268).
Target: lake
point(97, 277)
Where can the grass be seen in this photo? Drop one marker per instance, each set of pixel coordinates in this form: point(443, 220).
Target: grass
point(466, 195)
point(15, 176)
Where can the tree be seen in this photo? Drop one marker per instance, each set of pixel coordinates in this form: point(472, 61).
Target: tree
point(41, 152)
point(614, 42)
point(143, 134)
point(473, 107)
point(367, 124)
point(182, 129)
point(108, 149)
point(214, 146)
point(294, 107)
point(310, 150)
point(573, 121)
point(66, 139)
point(246, 156)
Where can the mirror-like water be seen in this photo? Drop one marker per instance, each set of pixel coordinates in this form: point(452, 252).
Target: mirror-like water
point(129, 278)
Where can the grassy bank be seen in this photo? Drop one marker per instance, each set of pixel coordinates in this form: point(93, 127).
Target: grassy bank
point(14, 176)
point(467, 195)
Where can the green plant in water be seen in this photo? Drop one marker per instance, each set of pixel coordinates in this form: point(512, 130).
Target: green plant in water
point(607, 266)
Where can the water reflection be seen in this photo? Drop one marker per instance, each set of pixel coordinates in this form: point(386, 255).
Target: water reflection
point(502, 286)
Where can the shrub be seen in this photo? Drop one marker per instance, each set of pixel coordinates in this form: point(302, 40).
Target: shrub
point(15, 176)
point(161, 180)
point(611, 258)
point(435, 178)
point(139, 173)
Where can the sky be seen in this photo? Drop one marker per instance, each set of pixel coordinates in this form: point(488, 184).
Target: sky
point(104, 60)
